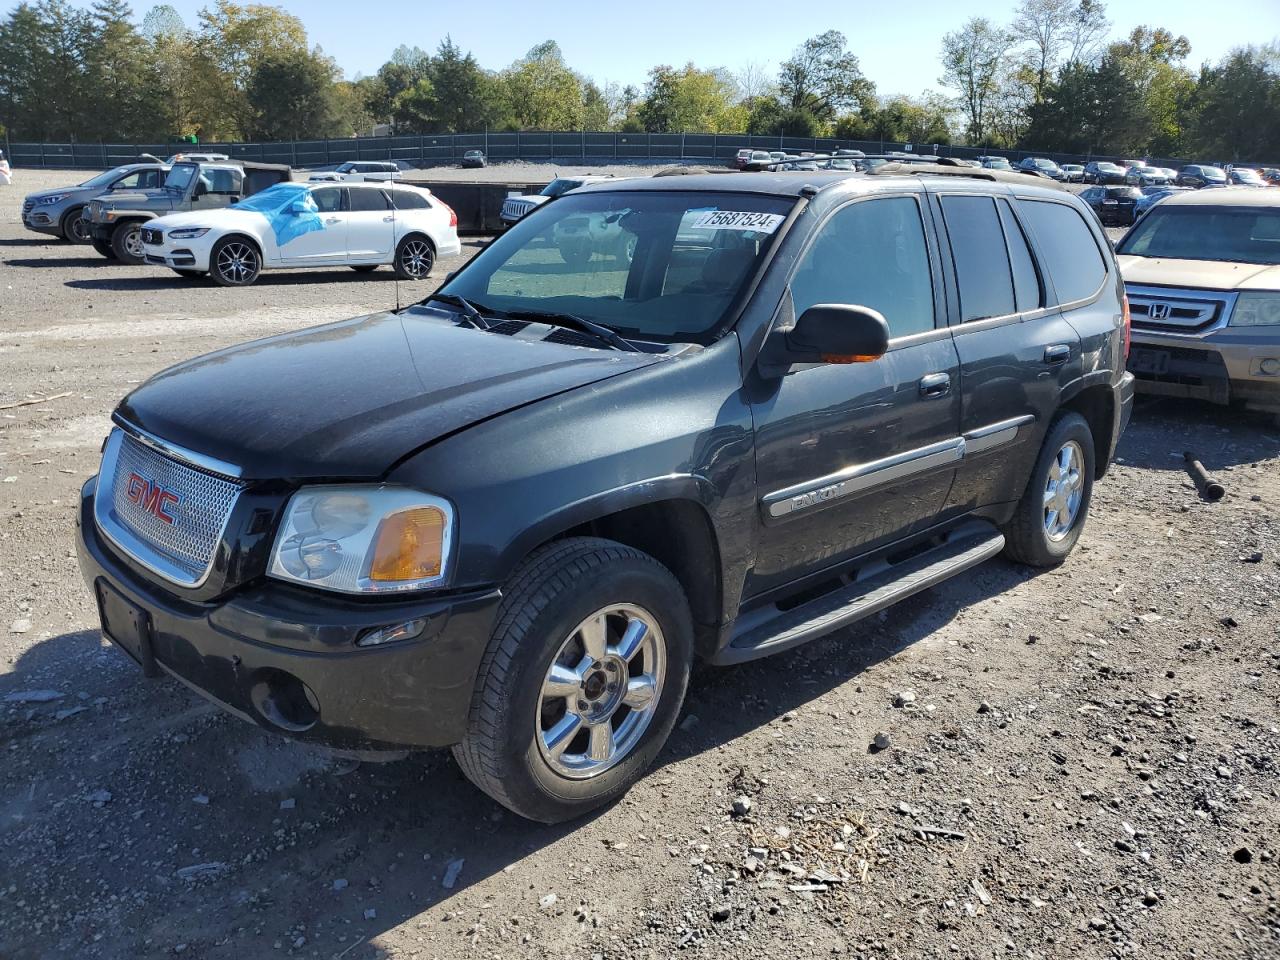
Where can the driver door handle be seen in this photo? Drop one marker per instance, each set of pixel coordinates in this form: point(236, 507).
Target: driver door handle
point(334, 220)
point(935, 385)
point(1057, 353)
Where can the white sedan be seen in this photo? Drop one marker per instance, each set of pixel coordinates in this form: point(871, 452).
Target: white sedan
point(302, 225)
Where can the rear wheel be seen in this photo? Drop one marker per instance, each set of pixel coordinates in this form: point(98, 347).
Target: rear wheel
point(75, 228)
point(414, 258)
point(126, 242)
point(234, 262)
point(104, 248)
point(582, 680)
point(1052, 512)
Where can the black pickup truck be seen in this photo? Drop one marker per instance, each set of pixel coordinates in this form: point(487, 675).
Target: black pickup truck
point(508, 519)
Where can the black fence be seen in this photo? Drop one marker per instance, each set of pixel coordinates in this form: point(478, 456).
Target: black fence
point(445, 149)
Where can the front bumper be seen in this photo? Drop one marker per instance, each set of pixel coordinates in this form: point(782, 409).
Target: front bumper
point(46, 220)
point(285, 658)
point(179, 254)
point(1221, 367)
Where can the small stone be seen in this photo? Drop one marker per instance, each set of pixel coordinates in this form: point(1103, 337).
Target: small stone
point(904, 698)
point(201, 799)
point(20, 626)
point(1149, 899)
point(1229, 621)
point(288, 804)
point(1124, 846)
point(451, 873)
point(1255, 557)
point(1150, 618)
point(880, 742)
point(741, 805)
point(689, 722)
point(547, 902)
point(1224, 772)
point(371, 914)
point(340, 884)
point(1243, 855)
point(100, 797)
point(299, 943)
point(1098, 923)
point(984, 707)
point(721, 913)
point(198, 870)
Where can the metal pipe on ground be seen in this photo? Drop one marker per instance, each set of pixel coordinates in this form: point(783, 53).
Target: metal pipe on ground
point(1209, 488)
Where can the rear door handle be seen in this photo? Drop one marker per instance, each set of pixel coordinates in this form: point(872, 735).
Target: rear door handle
point(388, 219)
point(935, 385)
point(334, 220)
point(1057, 353)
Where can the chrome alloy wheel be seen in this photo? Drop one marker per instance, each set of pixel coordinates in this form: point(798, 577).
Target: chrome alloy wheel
point(417, 258)
point(1063, 491)
point(133, 242)
point(601, 691)
point(237, 262)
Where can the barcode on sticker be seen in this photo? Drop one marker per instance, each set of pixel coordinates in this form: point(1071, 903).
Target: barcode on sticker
point(739, 220)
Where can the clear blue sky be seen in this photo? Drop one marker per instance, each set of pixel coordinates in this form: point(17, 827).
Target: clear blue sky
point(619, 41)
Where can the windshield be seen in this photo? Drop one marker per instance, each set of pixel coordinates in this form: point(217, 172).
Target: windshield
point(272, 199)
point(662, 266)
point(1212, 173)
point(1247, 176)
point(1230, 234)
point(180, 177)
point(558, 186)
point(1045, 164)
point(1123, 193)
point(105, 179)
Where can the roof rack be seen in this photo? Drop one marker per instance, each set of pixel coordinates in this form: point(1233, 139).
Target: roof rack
point(972, 173)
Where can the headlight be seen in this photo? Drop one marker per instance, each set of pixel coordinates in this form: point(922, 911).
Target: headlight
point(187, 233)
point(56, 198)
point(364, 539)
point(1256, 310)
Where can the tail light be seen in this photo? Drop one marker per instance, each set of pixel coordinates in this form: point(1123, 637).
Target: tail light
point(453, 216)
point(1128, 325)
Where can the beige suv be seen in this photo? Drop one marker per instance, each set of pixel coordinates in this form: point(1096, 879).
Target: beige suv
point(1202, 271)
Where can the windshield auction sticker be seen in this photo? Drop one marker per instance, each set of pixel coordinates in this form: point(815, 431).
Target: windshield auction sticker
point(739, 220)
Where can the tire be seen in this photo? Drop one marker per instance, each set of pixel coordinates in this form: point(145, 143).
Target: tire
point(104, 248)
point(414, 258)
point(365, 268)
point(75, 229)
point(234, 262)
point(557, 590)
point(576, 254)
point(126, 242)
point(1039, 535)
point(627, 248)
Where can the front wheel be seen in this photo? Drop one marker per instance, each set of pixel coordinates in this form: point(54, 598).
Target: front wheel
point(414, 258)
point(126, 242)
point(234, 262)
point(75, 228)
point(582, 680)
point(1051, 514)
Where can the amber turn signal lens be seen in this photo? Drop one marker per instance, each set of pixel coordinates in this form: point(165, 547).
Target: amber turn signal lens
point(409, 545)
point(848, 358)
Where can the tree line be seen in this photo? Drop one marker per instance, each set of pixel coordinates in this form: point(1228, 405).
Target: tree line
point(1048, 80)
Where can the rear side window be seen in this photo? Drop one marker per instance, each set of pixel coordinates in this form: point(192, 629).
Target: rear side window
point(980, 256)
point(367, 200)
point(873, 254)
point(1071, 254)
point(1026, 282)
point(408, 200)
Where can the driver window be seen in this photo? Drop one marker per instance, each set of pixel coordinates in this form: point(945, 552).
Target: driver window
point(328, 200)
point(873, 254)
point(131, 182)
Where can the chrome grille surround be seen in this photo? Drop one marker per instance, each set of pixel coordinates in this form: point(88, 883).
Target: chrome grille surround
point(181, 551)
point(1178, 312)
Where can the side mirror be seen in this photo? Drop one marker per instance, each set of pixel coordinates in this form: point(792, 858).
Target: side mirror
point(827, 333)
point(299, 207)
point(201, 189)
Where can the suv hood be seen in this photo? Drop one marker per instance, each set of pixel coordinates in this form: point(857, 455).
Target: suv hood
point(224, 217)
point(349, 399)
point(63, 192)
point(1199, 274)
point(131, 199)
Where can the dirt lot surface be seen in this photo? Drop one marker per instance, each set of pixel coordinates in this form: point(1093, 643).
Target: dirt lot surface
point(1082, 763)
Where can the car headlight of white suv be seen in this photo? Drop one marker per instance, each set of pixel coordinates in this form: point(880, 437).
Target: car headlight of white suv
point(1256, 310)
point(364, 539)
point(187, 233)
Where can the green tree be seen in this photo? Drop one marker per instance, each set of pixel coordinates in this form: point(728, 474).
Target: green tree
point(540, 92)
point(822, 78)
point(127, 84)
point(1235, 108)
point(690, 100)
point(292, 96)
point(972, 58)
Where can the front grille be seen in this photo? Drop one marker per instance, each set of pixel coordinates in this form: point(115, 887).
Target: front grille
point(177, 536)
point(28, 206)
point(152, 236)
point(1187, 312)
point(515, 209)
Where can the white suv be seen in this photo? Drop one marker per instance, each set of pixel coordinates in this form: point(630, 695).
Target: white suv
point(302, 225)
point(360, 170)
point(513, 208)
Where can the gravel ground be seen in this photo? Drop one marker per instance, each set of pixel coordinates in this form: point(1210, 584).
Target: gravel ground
point(1082, 762)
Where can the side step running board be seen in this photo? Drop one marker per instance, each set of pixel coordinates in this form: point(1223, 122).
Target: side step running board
point(964, 548)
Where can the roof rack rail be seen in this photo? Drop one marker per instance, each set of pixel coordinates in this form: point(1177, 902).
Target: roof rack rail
point(972, 173)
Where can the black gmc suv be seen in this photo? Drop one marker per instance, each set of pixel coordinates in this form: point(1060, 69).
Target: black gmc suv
point(508, 518)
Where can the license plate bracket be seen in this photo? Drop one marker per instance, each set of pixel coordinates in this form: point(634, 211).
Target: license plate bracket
point(1149, 361)
point(126, 625)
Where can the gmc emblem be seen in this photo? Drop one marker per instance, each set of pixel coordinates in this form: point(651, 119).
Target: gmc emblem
point(151, 497)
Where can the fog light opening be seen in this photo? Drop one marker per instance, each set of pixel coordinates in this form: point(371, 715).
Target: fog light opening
point(1270, 366)
point(391, 634)
point(284, 701)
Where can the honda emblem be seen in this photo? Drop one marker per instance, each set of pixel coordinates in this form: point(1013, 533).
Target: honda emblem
point(1158, 311)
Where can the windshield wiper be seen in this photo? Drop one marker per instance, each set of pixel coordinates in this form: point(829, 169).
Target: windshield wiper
point(574, 322)
point(470, 314)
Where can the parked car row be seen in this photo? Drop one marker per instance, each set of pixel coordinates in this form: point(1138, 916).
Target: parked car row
point(231, 220)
